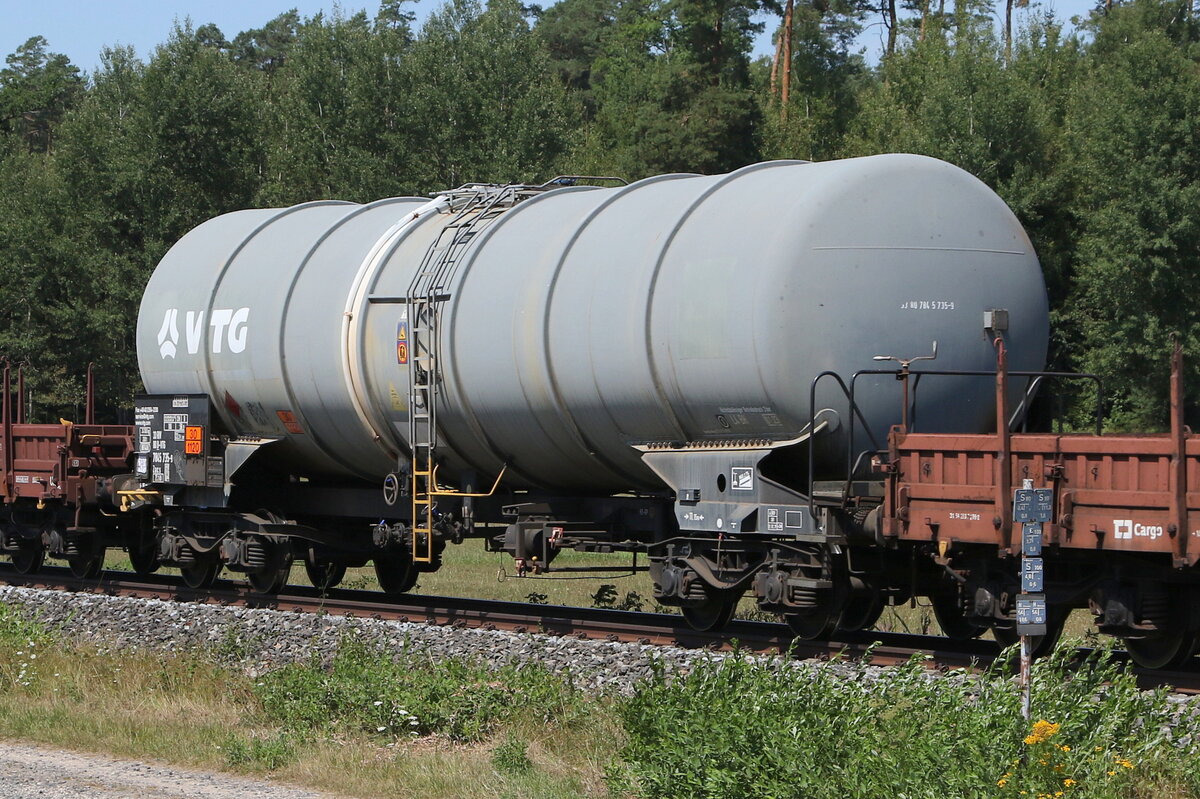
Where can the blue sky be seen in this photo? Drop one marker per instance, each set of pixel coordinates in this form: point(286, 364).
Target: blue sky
point(81, 28)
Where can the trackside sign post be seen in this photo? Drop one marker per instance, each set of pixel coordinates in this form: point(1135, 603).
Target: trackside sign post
point(1032, 507)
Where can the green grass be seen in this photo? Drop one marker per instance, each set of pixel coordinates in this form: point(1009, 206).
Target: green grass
point(308, 725)
point(468, 570)
point(375, 724)
point(740, 729)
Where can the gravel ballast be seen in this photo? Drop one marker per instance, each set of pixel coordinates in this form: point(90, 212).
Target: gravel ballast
point(261, 639)
point(258, 640)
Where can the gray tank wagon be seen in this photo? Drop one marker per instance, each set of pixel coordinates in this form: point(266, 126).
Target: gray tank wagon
point(587, 320)
point(635, 360)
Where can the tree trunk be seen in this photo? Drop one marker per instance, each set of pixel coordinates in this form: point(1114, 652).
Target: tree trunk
point(924, 19)
point(786, 76)
point(775, 65)
point(1008, 5)
point(719, 51)
point(891, 22)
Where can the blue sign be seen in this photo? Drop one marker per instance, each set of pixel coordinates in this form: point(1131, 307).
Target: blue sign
point(1031, 538)
point(1031, 615)
point(1032, 575)
point(1033, 504)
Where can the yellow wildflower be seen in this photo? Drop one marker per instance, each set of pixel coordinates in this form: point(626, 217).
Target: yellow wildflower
point(1068, 782)
point(1064, 748)
point(1042, 731)
point(1002, 782)
point(1112, 773)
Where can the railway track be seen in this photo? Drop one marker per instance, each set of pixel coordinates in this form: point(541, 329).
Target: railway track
point(658, 629)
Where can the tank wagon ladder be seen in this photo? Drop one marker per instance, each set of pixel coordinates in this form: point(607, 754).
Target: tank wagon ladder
point(474, 208)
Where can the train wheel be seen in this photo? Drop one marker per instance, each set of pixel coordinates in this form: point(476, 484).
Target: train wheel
point(395, 572)
point(27, 560)
point(713, 613)
point(817, 624)
point(322, 573)
point(143, 557)
point(1161, 652)
point(861, 612)
point(270, 580)
point(948, 613)
point(87, 567)
point(273, 575)
point(200, 575)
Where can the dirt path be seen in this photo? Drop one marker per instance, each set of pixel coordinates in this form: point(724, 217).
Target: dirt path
point(33, 772)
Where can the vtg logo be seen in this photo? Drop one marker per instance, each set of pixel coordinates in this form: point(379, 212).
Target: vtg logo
point(228, 327)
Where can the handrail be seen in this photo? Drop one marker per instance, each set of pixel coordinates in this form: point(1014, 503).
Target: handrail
point(983, 373)
point(435, 492)
point(1022, 410)
point(812, 422)
point(850, 393)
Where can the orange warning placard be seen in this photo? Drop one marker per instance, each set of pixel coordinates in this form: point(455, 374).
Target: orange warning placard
point(193, 440)
point(289, 422)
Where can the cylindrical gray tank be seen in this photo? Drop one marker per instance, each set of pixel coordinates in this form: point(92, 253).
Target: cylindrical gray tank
point(586, 320)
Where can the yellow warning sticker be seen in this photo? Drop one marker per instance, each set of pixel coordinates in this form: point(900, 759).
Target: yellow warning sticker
point(398, 403)
point(402, 342)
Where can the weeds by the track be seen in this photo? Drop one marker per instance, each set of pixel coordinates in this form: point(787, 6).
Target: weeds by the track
point(369, 723)
point(346, 728)
point(740, 729)
point(368, 692)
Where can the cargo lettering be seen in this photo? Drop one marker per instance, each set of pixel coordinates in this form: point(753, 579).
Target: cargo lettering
point(1126, 529)
point(229, 330)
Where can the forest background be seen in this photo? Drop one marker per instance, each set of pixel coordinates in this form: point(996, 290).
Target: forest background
point(1092, 136)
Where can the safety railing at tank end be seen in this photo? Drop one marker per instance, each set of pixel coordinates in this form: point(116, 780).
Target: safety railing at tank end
point(910, 401)
point(470, 191)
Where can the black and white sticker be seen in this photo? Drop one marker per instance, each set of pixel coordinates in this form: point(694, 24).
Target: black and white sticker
point(741, 478)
